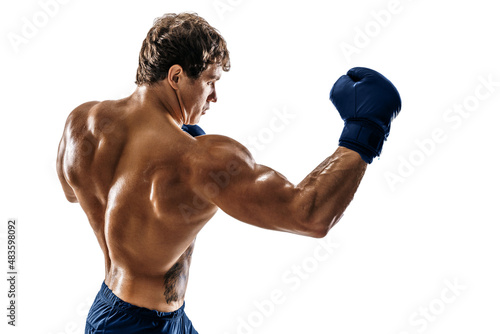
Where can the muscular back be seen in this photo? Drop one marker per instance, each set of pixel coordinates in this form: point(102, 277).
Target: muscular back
point(148, 188)
point(128, 168)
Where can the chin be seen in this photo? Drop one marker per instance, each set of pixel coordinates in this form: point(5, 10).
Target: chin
point(197, 119)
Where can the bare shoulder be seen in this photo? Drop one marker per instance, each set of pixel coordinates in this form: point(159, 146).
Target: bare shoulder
point(93, 137)
point(216, 152)
point(80, 114)
point(95, 116)
point(222, 145)
point(220, 163)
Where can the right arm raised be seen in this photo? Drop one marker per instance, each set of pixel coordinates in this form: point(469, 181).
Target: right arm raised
point(227, 176)
point(258, 195)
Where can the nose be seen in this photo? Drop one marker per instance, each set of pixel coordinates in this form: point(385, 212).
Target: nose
point(212, 97)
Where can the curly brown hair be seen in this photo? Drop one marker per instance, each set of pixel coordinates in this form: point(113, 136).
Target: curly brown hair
point(185, 39)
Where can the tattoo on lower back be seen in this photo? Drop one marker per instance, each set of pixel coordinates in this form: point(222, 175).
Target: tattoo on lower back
point(175, 280)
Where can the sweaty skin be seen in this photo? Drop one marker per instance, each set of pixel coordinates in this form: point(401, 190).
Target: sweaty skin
point(148, 188)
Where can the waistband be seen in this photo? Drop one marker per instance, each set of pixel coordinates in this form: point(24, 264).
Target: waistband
point(110, 298)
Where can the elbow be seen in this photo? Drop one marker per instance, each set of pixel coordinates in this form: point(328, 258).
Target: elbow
point(71, 198)
point(316, 219)
point(318, 228)
point(318, 232)
point(313, 229)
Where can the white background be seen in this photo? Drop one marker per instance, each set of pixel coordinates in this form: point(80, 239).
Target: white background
point(397, 246)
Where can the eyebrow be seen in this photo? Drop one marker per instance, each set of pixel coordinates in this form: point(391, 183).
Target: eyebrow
point(214, 77)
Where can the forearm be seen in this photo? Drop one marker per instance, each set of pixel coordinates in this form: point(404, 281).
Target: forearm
point(326, 192)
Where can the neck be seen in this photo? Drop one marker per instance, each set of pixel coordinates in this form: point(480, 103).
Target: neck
point(161, 98)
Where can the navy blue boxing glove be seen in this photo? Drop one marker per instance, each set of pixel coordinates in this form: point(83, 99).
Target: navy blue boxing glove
point(367, 102)
point(193, 130)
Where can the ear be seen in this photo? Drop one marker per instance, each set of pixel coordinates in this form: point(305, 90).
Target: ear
point(174, 75)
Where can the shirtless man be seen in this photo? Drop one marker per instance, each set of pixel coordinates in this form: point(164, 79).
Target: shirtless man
point(148, 187)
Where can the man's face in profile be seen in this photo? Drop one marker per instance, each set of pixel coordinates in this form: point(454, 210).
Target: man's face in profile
point(196, 94)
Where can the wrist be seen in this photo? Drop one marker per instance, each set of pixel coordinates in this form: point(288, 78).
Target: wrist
point(364, 137)
point(351, 155)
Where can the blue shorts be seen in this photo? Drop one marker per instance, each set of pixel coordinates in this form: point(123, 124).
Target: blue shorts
point(110, 314)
